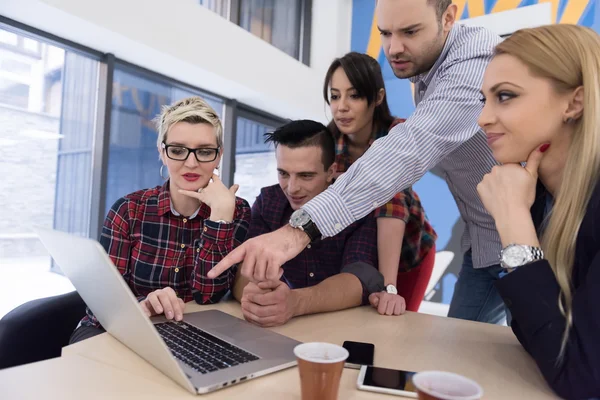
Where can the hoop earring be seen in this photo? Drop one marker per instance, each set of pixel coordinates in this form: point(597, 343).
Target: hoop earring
point(160, 172)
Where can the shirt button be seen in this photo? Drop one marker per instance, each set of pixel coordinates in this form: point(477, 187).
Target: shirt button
point(184, 220)
point(205, 229)
point(183, 246)
point(308, 247)
point(176, 269)
point(375, 204)
point(311, 275)
point(198, 250)
point(338, 226)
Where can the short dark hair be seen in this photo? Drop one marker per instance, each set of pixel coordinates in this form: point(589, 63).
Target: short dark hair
point(364, 73)
point(440, 7)
point(304, 133)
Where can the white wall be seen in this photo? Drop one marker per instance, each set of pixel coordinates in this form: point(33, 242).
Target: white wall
point(507, 22)
point(183, 40)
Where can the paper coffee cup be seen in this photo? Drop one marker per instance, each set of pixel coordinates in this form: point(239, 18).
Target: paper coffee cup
point(320, 366)
point(439, 385)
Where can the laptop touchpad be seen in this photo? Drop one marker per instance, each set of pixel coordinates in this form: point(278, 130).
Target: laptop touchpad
point(239, 335)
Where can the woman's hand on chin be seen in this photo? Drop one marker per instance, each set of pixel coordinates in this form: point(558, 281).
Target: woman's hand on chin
point(216, 195)
point(507, 193)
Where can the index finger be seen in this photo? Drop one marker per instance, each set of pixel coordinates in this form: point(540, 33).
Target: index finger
point(231, 259)
point(190, 193)
point(534, 159)
point(176, 304)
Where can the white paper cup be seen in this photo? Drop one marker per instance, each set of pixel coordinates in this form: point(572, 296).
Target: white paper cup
point(321, 352)
point(439, 385)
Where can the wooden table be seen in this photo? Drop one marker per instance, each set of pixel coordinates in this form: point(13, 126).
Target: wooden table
point(101, 367)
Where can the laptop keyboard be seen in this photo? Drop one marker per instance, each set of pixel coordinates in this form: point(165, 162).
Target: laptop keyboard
point(201, 350)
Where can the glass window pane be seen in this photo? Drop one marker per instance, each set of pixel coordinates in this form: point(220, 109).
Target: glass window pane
point(277, 22)
point(8, 37)
point(46, 163)
point(255, 164)
point(286, 27)
point(14, 93)
point(221, 7)
point(133, 162)
point(31, 45)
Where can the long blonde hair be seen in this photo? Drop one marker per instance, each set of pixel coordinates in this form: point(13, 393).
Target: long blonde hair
point(569, 56)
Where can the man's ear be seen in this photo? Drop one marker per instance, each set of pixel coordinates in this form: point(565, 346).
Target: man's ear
point(449, 17)
point(331, 172)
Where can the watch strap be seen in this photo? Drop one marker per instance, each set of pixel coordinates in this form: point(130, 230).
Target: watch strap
point(312, 231)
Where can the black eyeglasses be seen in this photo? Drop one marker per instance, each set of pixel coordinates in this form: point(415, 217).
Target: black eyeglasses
point(181, 153)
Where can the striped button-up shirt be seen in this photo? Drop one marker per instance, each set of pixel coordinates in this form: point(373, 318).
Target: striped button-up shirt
point(442, 132)
point(419, 236)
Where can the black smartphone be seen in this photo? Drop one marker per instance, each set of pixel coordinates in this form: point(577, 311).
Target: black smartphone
point(360, 354)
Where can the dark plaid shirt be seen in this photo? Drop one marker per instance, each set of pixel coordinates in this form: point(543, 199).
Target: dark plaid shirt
point(354, 250)
point(419, 236)
point(154, 248)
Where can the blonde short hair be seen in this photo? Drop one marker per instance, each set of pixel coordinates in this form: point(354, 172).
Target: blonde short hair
point(193, 110)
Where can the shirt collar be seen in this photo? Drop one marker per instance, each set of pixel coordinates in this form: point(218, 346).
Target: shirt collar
point(425, 77)
point(175, 213)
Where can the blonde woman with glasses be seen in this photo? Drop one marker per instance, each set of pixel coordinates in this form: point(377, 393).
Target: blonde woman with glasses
point(164, 240)
point(542, 107)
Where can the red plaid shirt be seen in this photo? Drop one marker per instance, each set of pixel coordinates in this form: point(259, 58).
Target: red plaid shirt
point(324, 258)
point(419, 235)
point(153, 248)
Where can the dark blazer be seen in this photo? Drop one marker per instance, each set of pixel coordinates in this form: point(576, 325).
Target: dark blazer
point(531, 293)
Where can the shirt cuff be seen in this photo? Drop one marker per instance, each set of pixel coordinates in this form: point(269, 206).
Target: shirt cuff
point(329, 212)
point(370, 278)
point(218, 231)
point(203, 298)
point(531, 293)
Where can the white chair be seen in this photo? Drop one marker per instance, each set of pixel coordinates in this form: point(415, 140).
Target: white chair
point(442, 261)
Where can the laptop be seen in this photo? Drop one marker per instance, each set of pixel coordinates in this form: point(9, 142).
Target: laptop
point(208, 350)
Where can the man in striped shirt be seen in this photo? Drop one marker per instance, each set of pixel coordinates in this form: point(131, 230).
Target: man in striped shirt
point(446, 63)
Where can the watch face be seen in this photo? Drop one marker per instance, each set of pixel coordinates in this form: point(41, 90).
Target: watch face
point(299, 218)
point(391, 289)
point(515, 256)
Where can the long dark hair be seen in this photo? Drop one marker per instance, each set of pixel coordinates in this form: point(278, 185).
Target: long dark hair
point(364, 73)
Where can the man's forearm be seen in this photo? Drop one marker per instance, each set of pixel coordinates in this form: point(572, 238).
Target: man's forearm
point(338, 292)
point(390, 234)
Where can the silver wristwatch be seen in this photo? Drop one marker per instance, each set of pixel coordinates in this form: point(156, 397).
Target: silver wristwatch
point(516, 255)
point(300, 219)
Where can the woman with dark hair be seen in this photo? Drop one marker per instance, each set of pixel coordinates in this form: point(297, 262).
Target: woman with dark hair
point(355, 92)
